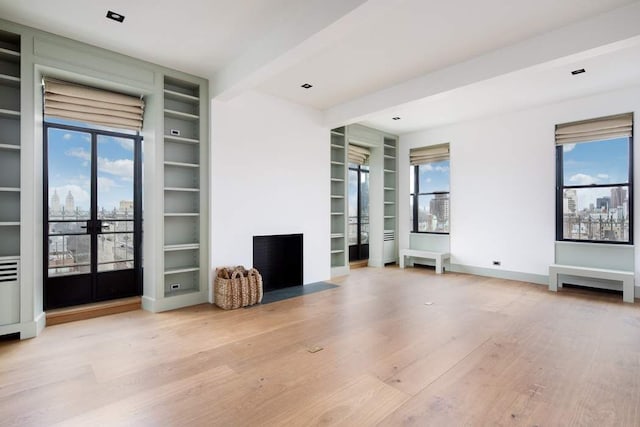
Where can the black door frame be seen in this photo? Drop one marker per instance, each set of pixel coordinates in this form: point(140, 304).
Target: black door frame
point(93, 224)
point(359, 251)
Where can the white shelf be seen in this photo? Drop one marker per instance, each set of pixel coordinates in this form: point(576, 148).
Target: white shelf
point(389, 216)
point(389, 203)
point(337, 235)
point(183, 247)
point(389, 171)
point(337, 213)
point(8, 80)
point(189, 190)
point(9, 223)
point(337, 146)
point(338, 251)
point(179, 270)
point(182, 165)
point(180, 139)
point(178, 96)
point(337, 197)
point(333, 162)
point(337, 180)
point(9, 147)
point(180, 115)
point(10, 189)
point(389, 189)
point(389, 146)
point(336, 133)
point(8, 54)
point(386, 156)
point(185, 214)
point(12, 114)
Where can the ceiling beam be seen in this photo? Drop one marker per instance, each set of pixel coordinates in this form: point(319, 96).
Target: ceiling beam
point(609, 31)
point(313, 25)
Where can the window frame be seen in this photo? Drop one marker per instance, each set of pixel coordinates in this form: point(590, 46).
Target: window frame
point(415, 196)
point(560, 188)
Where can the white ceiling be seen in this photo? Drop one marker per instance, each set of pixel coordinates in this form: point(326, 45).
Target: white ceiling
point(355, 48)
point(418, 36)
point(538, 85)
point(195, 36)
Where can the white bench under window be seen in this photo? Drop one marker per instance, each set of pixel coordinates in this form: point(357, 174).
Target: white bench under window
point(439, 257)
point(602, 262)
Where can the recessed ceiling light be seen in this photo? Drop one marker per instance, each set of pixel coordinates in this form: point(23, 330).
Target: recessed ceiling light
point(306, 86)
point(395, 118)
point(580, 71)
point(115, 16)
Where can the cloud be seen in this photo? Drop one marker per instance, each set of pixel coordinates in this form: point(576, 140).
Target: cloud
point(78, 152)
point(67, 136)
point(122, 167)
point(442, 168)
point(106, 184)
point(583, 179)
point(127, 144)
point(602, 176)
point(428, 179)
point(568, 147)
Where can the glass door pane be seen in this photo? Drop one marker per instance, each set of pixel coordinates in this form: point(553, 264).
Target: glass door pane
point(364, 207)
point(69, 201)
point(353, 207)
point(115, 185)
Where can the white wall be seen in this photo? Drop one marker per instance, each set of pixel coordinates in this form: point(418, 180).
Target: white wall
point(503, 181)
point(270, 166)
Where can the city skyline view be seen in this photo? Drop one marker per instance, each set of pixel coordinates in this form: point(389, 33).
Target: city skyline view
point(600, 212)
point(70, 170)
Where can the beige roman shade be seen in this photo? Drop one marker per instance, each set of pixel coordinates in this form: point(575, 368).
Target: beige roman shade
point(358, 155)
point(71, 101)
point(434, 153)
point(620, 126)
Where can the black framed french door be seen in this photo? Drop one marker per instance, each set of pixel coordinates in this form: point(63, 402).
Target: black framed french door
point(358, 231)
point(92, 215)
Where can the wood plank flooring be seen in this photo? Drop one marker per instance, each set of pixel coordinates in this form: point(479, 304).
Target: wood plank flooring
point(485, 352)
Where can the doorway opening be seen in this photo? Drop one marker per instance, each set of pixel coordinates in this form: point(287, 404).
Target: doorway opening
point(92, 213)
point(358, 231)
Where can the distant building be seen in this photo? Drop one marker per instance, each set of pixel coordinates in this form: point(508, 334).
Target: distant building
point(603, 203)
point(55, 203)
point(571, 198)
point(439, 207)
point(126, 205)
point(618, 197)
point(69, 204)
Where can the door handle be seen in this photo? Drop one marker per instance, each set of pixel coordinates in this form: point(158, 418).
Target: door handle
point(88, 226)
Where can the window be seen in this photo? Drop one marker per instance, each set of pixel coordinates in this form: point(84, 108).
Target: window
point(429, 188)
point(594, 200)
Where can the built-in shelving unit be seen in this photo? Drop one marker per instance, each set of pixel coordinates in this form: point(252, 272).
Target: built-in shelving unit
point(339, 262)
point(182, 195)
point(9, 178)
point(390, 199)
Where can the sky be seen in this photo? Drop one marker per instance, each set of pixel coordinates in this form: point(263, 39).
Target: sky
point(70, 168)
point(433, 177)
point(599, 162)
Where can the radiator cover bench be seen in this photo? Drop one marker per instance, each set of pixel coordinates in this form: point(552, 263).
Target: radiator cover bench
point(626, 277)
point(439, 257)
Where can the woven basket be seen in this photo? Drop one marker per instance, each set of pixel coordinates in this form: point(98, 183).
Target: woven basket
point(227, 290)
point(254, 280)
point(236, 287)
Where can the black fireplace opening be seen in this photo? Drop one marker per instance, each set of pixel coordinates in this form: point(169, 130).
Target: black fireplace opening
point(278, 258)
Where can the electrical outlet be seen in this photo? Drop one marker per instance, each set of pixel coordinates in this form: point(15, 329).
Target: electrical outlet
point(175, 286)
point(496, 263)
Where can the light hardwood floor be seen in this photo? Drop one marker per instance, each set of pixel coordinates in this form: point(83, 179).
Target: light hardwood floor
point(485, 352)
